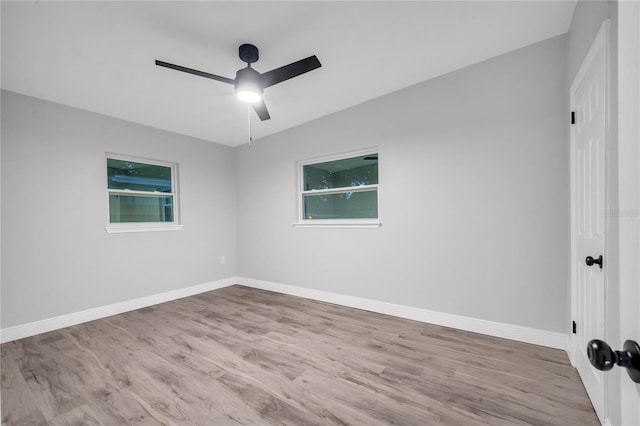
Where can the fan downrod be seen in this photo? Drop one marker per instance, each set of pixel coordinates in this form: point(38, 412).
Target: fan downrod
point(248, 53)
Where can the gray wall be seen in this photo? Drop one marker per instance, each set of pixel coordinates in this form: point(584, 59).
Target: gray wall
point(473, 198)
point(57, 257)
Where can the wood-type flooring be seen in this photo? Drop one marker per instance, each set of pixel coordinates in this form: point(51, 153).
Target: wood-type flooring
point(245, 356)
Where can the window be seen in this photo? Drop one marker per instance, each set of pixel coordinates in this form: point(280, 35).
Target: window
point(142, 195)
point(339, 191)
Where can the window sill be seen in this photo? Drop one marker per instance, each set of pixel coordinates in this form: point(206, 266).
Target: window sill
point(337, 224)
point(122, 229)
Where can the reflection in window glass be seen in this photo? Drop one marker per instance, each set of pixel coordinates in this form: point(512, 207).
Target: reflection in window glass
point(346, 205)
point(138, 176)
point(346, 188)
point(355, 171)
point(140, 208)
point(140, 192)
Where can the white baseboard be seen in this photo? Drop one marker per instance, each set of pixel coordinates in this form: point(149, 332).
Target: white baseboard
point(508, 331)
point(569, 347)
point(30, 329)
point(491, 328)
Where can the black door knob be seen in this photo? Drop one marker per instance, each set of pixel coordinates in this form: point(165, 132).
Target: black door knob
point(602, 357)
point(591, 261)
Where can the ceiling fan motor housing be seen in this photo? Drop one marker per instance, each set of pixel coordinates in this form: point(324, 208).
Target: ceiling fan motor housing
point(248, 53)
point(248, 79)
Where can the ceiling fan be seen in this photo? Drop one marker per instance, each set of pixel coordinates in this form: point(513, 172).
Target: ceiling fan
point(249, 84)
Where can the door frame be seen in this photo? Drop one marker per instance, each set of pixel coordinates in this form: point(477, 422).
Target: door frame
point(629, 200)
point(601, 40)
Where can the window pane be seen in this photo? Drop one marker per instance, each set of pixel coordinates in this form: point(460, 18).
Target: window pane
point(124, 174)
point(354, 171)
point(347, 205)
point(140, 208)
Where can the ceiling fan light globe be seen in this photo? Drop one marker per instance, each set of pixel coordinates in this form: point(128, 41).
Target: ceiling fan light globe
point(249, 96)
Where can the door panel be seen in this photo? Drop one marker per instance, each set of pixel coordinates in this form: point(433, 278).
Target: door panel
point(588, 100)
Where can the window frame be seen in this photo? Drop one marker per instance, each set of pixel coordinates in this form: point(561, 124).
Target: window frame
point(120, 227)
point(335, 223)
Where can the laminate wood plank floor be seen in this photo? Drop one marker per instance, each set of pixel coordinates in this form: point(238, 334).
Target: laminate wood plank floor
point(245, 356)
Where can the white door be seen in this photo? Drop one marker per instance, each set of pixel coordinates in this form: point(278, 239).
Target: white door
point(629, 196)
point(588, 99)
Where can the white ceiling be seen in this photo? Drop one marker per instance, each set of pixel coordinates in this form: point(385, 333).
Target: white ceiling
point(99, 56)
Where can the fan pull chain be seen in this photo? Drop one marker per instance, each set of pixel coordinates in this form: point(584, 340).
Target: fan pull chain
point(249, 120)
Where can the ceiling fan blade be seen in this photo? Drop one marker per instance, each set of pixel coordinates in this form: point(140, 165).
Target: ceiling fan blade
point(194, 72)
point(261, 110)
point(286, 72)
